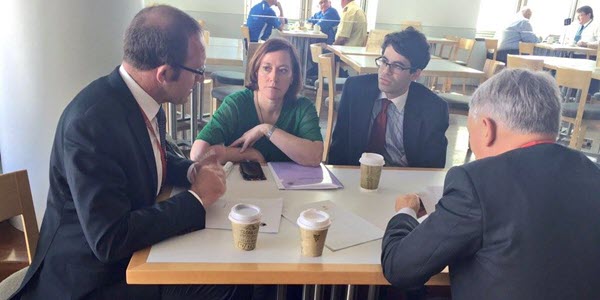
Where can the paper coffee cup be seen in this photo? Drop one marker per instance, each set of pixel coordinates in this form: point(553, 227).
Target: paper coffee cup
point(245, 222)
point(371, 165)
point(314, 225)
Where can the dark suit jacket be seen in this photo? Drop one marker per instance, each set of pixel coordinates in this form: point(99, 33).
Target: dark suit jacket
point(521, 225)
point(425, 124)
point(101, 204)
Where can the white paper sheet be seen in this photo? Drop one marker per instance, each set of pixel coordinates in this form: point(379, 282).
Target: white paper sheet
point(430, 197)
point(347, 229)
point(217, 214)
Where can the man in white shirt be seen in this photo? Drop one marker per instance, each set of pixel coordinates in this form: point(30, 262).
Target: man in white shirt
point(586, 33)
point(108, 164)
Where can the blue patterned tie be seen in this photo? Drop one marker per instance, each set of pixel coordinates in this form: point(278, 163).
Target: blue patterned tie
point(578, 34)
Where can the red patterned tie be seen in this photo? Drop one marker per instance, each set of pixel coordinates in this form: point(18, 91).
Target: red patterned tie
point(377, 141)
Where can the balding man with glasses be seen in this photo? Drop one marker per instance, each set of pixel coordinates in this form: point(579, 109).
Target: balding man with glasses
point(391, 114)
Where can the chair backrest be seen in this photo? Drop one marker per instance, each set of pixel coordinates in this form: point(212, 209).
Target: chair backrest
point(415, 24)
point(526, 48)
point(206, 36)
point(246, 35)
point(375, 39)
point(516, 62)
point(491, 45)
point(315, 51)
point(16, 200)
point(252, 47)
point(492, 67)
point(569, 79)
point(327, 69)
point(598, 58)
point(466, 46)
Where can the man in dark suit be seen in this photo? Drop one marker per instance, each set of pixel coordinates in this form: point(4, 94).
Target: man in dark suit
point(408, 133)
point(108, 164)
point(521, 222)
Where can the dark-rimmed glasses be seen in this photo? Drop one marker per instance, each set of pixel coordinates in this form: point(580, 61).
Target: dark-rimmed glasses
point(199, 71)
point(395, 67)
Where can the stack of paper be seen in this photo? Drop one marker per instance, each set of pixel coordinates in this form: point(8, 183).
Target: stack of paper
point(292, 176)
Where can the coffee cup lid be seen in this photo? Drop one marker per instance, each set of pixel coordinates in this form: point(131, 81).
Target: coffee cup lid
point(371, 159)
point(245, 213)
point(314, 219)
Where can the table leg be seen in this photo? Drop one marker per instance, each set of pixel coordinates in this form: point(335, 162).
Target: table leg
point(281, 292)
point(373, 292)
point(307, 292)
point(350, 292)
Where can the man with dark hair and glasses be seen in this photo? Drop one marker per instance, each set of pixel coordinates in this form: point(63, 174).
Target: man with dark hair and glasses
point(108, 164)
point(391, 114)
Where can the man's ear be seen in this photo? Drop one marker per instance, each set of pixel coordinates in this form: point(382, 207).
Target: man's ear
point(490, 131)
point(163, 73)
point(414, 76)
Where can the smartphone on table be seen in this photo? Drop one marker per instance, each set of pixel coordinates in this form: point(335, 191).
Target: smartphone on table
point(252, 170)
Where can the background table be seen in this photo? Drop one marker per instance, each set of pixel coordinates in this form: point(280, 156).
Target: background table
point(563, 50)
point(302, 39)
point(208, 256)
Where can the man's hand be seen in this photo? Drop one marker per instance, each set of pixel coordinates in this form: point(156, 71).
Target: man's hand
point(209, 183)
point(252, 154)
point(582, 44)
point(409, 200)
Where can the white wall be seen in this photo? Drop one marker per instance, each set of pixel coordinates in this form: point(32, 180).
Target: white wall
point(223, 6)
point(49, 50)
point(439, 17)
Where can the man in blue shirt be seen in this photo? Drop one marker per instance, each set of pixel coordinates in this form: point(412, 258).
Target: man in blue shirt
point(262, 19)
point(328, 19)
point(519, 30)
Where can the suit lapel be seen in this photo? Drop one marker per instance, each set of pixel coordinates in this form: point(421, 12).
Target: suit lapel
point(136, 124)
point(412, 122)
point(364, 107)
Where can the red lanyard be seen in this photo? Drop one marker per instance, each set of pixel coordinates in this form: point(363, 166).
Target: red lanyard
point(163, 159)
point(533, 143)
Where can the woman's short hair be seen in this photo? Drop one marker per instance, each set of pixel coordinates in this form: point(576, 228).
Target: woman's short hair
point(274, 45)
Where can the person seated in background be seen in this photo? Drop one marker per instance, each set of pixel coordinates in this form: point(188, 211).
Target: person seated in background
point(391, 114)
point(586, 32)
point(262, 19)
point(352, 30)
point(521, 221)
point(267, 121)
point(328, 19)
point(519, 30)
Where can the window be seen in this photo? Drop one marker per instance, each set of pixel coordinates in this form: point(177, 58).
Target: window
point(292, 9)
point(494, 14)
point(548, 19)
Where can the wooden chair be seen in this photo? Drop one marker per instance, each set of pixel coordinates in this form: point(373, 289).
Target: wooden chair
point(516, 62)
point(245, 35)
point(526, 48)
point(459, 103)
point(16, 200)
point(415, 24)
point(464, 46)
point(575, 112)
point(375, 39)
point(491, 45)
point(327, 69)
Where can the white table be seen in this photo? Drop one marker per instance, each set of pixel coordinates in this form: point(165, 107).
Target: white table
point(563, 50)
point(208, 256)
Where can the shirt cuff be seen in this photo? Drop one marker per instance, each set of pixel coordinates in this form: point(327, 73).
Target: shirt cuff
point(189, 173)
point(197, 197)
point(409, 211)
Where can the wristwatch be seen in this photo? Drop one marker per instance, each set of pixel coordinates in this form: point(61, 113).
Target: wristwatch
point(270, 132)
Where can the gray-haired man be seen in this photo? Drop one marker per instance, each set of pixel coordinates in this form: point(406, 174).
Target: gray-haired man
point(521, 222)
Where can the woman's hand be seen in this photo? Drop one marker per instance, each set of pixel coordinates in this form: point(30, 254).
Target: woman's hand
point(250, 137)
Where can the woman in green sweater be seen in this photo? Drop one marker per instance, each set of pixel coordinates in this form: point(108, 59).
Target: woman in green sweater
point(267, 121)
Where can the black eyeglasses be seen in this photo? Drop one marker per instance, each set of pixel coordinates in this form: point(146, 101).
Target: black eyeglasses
point(395, 67)
point(199, 71)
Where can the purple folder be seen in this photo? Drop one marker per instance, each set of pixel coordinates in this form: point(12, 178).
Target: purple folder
point(292, 176)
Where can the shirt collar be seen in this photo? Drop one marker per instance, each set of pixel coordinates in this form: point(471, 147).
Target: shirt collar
point(399, 101)
point(588, 23)
point(146, 102)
